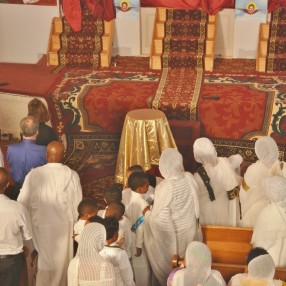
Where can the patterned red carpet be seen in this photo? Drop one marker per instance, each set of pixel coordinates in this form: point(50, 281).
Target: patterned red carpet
point(89, 100)
point(93, 156)
point(81, 49)
point(276, 58)
point(243, 106)
point(183, 51)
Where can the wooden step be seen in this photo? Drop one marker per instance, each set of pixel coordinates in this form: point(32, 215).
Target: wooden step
point(261, 64)
point(160, 30)
point(156, 62)
point(52, 58)
point(162, 15)
point(264, 31)
point(158, 45)
point(263, 48)
point(58, 25)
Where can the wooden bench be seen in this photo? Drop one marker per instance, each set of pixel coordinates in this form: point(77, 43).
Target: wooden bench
point(229, 247)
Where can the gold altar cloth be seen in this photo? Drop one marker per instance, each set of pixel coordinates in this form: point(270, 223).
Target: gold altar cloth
point(146, 133)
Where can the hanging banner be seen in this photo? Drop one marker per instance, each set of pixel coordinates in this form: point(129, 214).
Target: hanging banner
point(127, 8)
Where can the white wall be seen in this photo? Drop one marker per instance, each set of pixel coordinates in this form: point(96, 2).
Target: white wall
point(24, 32)
point(9, 120)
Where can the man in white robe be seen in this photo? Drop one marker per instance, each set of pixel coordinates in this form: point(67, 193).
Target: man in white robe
point(270, 228)
point(218, 185)
point(52, 193)
point(252, 199)
point(173, 221)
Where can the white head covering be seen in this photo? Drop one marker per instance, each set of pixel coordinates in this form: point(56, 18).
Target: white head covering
point(275, 190)
point(261, 267)
point(88, 265)
point(171, 163)
point(205, 152)
point(198, 268)
point(266, 150)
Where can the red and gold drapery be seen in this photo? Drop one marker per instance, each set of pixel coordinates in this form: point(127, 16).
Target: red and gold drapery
point(102, 9)
point(209, 6)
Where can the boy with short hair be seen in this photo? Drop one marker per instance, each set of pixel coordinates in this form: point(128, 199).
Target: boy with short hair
point(86, 209)
point(117, 210)
point(135, 206)
point(117, 256)
point(111, 194)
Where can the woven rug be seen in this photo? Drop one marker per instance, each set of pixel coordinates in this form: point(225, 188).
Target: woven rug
point(183, 51)
point(276, 58)
point(228, 147)
point(90, 100)
point(243, 106)
point(81, 49)
point(93, 156)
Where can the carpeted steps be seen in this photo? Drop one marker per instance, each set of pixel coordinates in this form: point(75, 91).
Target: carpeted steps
point(182, 60)
point(276, 57)
point(81, 49)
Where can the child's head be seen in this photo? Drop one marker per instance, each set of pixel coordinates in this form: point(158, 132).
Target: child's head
point(113, 194)
point(115, 210)
point(112, 227)
point(134, 168)
point(87, 208)
point(260, 264)
point(138, 182)
point(255, 252)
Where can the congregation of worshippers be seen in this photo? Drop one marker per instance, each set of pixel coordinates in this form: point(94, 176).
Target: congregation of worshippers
point(44, 218)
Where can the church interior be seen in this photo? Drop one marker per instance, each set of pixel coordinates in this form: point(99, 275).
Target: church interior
point(212, 74)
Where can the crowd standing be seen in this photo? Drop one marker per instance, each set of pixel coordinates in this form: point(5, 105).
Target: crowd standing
point(145, 222)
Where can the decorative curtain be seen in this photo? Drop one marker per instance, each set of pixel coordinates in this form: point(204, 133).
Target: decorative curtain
point(209, 6)
point(102, 9)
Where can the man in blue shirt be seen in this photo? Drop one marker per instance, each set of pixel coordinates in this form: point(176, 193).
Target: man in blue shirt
point(26, 155)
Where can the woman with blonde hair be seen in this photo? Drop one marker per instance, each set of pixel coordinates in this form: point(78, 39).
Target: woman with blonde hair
point(46, 134)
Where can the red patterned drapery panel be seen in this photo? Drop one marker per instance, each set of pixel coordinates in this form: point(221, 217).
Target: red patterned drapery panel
point(214, 6)
point(180, 4)
point(209, 6)
point(102, 9)
point(72, 12)
point(273, 4)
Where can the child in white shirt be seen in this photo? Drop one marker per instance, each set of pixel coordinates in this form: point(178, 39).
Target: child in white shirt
point(86, 209)
point(116, 210)
point(117, 256)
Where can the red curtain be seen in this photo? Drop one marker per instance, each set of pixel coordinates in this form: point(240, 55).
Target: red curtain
point(209, 6)
point(102, 9)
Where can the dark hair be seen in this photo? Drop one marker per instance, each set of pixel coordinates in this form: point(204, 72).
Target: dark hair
point(96, 218)
point(4, 178)
point(118, 208)
point(136, 180)
point(255, 252)
point(111, 226)
point(135, 168)
point(113, 194)
point(38, 109)
point(87, 205)
point(152, 180)
point(124, 3)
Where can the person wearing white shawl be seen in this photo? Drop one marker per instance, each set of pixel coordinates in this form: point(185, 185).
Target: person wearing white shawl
point(252, 199)
point(218, 185)
point(197, 269)
point(51, 193)
point(261, 270)
point(270, 228)
point(173, 221)
point(88, 268)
